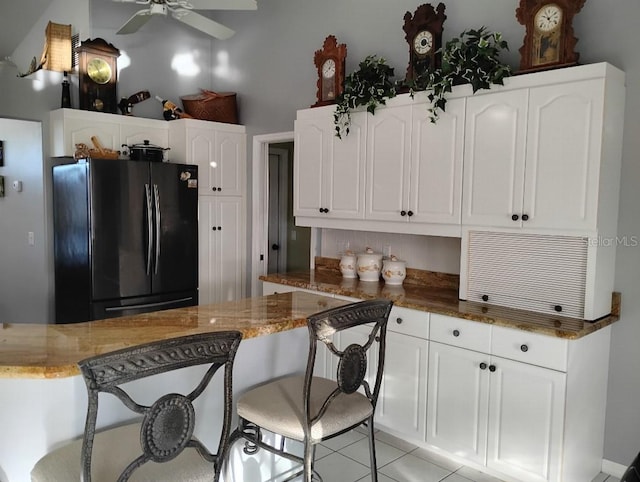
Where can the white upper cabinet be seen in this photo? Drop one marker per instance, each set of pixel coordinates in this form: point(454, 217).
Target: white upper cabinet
point(494, 158)
point(218, 149)
point(539, 156)
point(329, 172)
point(389, 164)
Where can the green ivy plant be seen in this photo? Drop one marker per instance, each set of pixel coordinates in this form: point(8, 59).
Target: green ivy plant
point(472, 58)
point(368, 86)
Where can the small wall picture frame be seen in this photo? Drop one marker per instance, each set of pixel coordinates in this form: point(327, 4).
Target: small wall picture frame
point(1, 153)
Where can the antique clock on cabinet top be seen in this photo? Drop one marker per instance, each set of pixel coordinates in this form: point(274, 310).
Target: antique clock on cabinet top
point(549, 41)
point(423, 32)
point(330, 62)
point(98, 75)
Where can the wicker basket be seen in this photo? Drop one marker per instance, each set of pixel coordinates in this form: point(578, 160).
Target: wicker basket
point(212, 106)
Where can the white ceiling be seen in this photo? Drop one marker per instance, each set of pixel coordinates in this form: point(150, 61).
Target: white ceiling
point(16, 21)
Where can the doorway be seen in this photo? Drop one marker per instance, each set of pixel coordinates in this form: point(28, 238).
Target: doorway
point(278, 245)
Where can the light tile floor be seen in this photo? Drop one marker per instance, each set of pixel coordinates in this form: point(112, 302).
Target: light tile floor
point(346, 459)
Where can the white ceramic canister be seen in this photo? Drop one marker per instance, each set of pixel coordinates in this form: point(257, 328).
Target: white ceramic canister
point(369, 265)
point(394, 270)
point(348, 265)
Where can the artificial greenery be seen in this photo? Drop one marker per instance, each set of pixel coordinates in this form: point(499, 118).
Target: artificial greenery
point(368, 86)
point(471, 58)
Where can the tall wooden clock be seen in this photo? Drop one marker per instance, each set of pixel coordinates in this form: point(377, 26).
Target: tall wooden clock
point(330, 62)
point(98, 75)
point(549, 41)
point(423, 33)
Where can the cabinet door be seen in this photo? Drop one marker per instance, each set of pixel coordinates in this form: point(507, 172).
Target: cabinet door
point(526, 420)
point(495, 136)
point(343, 169)
point(458, 401)
point(436, 166)
point(403, 395)
point(388, 163)
point(311, 140)
point(201, 151)
point(137, 131)
point(221, 249)
point(79, 130)
point(231, 163)
point(563, 155)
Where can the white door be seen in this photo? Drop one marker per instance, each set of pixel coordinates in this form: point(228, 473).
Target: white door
point(458, 401)
point(403, 396)
point(343, 167)
point(436, 166)
point(388, 164)
point(494, 155)
point(526, 420)
point(221, 249)
point(563, 155)
point(311, 139)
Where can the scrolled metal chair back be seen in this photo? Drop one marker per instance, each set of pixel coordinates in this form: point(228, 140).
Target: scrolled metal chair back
point(168, 423)
point(351, 373)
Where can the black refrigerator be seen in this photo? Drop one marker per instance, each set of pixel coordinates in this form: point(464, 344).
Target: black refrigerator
point(125, 238)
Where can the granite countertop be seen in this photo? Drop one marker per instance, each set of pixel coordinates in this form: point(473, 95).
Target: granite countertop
point(53, 351)
point(438, 293)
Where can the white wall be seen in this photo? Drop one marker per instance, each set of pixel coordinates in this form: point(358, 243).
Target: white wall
point(23, 269)
point(270, 64)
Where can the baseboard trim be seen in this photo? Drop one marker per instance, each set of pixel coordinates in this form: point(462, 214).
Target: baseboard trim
point(613, 468)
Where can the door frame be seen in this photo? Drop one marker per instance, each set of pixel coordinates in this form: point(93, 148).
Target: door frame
point(260, 204)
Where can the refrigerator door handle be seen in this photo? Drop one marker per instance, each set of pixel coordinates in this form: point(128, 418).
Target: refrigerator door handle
point(147, 191)
point(156, 193)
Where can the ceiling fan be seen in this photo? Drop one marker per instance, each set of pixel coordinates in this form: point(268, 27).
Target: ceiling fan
point(183, 11)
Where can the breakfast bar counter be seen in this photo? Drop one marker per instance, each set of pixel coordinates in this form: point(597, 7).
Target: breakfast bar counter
point(52, 351)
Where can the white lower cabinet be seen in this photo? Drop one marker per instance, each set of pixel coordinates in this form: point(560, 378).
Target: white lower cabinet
point(221, 228)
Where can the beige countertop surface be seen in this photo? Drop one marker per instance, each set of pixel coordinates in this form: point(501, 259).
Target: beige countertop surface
point(53, 351)
point(438, 293)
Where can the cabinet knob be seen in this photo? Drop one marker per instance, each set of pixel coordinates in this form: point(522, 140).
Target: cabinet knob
point(525, 217)
point(219, 228)
point(403, 213)
point(214, 228)
point(398, 320)
point(492, 368)
point(483, 366)
point(524, 348)
point(410, 213)
point(321, 210)
point(456, 333)
point(275, 246)
point(515, 217)
point(558, 308)
point(485, 297)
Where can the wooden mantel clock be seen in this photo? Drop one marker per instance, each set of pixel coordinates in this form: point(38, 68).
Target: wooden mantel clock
point(423, 32)
point(98, 75)
point(330, 62)
point(549, 41)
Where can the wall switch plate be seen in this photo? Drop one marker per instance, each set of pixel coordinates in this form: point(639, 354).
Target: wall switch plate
point(1, 153)
point(17, 186)
point(31, 238)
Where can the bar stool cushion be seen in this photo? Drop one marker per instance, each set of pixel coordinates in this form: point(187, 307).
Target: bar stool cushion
point(277, 407)
point(112, 446)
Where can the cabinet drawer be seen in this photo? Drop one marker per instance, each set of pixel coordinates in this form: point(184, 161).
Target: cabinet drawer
point(269, 288)
point(409, 322)
point(541, 350)
point(463, 333)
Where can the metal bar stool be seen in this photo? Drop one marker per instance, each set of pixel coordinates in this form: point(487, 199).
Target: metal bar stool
point(160, 446)
point(311, 409)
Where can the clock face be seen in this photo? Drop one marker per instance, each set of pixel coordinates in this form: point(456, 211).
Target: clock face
point(99, 70)
point(548, 18)
point(423, 42)
point(329, 69)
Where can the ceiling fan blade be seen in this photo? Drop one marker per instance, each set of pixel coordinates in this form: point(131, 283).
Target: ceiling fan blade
point(203, 24)
point(224, 4)
point(134, 23)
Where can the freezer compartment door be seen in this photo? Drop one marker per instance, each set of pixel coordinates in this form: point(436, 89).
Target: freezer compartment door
point(135, 306)
point(175, 208)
